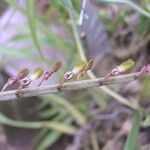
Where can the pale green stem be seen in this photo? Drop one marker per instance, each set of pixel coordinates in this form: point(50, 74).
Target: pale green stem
point(76, 85)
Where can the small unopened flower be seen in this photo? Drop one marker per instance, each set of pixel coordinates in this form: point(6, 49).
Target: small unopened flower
point(12, 80)
point(89, 66)
point(37, 73)
point(121, 69)
point(79, 70)
point(51, 71)
point(125, 66)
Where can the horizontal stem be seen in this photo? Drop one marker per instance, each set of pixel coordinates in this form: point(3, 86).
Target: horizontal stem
point(70, 86)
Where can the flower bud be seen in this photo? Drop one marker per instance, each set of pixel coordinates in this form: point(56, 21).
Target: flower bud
point(37, 73)
point(56, 66)
point(126, 66)
point(23, 73)
point(79, 67)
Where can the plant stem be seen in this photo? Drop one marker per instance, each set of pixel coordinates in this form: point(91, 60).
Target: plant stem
point(71, 86)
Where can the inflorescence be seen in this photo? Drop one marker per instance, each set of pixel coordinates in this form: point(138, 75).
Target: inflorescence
point(80, 69)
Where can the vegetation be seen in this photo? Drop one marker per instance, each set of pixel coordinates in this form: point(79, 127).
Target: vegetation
point(113, 115)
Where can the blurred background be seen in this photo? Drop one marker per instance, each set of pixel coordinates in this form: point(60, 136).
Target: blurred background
point(37, 33)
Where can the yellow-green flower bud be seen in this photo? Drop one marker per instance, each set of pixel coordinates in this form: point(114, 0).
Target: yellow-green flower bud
point(79, 67)
point(126, 66)
point(37, 73)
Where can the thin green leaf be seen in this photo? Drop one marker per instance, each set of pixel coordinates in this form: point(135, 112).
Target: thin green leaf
point(132, 137)
point(48, 140)
point(30, 8)
point(146, 122)
point(71, 109)
point(20, 37)
point(11, 2)
point(44, 142)
point(61, 127)
point(64, 128)
point(48, 113)
point(129, 3)
point(17, 53)
point(40, 136)
point(76, 5)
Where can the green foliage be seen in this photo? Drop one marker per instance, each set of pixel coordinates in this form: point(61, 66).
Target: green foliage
point(57, 111)
point(76, 5)
point(16, 53)
point(48, 140)
point(30, 8)
point(36, 125)
point(145, 94)
point(68, 106)
point(131, 4)
point(147, 120)
point(132, 137)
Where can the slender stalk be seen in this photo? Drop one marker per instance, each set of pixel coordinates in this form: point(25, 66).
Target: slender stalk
point(70, 86)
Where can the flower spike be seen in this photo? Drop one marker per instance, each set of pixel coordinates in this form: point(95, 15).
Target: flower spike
point(37, 73)
point(22, 74)
point(51, 71)
point(121, 69)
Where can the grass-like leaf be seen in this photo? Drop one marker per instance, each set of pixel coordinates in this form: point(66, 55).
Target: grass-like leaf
point(132, 137)
point(18, 53)
point(71, 109)
point(61, 127)
point(129, 3)
point(30, 8)
point(47, 113)
point(48, 140)
point(146, 122)
point(22, 53)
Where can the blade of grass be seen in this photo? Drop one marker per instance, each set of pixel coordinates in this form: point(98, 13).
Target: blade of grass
point(146, 122)
point(76, 5)
point(94, 141)
point(48, 113)
point(73, 111)
point(132, 137)
point(68, 129)
point(52, 136)
point(11, 2)
point(129, 3)
point(30, 9)
point(48, 140)
point(16, 53)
